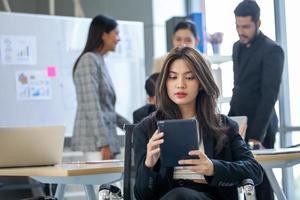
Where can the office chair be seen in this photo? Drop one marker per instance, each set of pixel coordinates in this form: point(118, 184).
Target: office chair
point(128, 163)
point(245, 190)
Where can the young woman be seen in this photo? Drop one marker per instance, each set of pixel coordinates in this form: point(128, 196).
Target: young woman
point(186, 89)
point(184, 34)
point(96, 119)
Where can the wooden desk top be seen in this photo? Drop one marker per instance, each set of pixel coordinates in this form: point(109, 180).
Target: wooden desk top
point(271, 155)
point(66, 169)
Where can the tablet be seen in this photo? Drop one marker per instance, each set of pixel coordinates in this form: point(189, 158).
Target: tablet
point(180, 137)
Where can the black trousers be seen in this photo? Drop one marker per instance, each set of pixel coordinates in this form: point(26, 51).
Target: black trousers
point(183, 193)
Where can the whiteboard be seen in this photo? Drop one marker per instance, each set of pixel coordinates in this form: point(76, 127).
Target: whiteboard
point(37, 53)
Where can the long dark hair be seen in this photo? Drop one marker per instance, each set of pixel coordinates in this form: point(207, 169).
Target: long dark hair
point(100, 24)
point(206, 103)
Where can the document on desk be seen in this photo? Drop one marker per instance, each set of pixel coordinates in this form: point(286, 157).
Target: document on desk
point(104, 161)
point(92, 164)
point(276, 151)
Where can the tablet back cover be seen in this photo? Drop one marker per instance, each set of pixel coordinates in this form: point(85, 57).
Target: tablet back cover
point(180, 137)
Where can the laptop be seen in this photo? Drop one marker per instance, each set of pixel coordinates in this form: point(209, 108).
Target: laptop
point(242, 122)
point(31, 146)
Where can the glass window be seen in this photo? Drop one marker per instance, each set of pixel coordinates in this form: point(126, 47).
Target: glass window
point(220, 18)
point(296, 138)
point(162, 11)
point(296, 170)
point(293, 32)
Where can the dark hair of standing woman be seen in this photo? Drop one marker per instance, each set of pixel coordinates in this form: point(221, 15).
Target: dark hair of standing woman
point(206, 102)
point(100, 24)
point(186, 24)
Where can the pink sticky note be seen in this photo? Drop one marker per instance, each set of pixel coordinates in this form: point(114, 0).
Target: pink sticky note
point(51, 71)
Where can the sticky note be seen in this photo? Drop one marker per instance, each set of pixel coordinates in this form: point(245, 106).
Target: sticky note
point(51, 70)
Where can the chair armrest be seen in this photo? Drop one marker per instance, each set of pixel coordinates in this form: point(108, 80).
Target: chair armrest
point(246, 181)
point(246, 189)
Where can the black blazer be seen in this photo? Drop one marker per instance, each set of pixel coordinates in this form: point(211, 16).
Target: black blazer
point(234, 163)
point(143, 112)
point(257, 80)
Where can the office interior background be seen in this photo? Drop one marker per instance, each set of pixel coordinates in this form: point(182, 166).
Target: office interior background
point(279, 22)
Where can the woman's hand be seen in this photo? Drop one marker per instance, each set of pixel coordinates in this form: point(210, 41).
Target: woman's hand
point(202, 165)
point(153, 149)
point(106, 153)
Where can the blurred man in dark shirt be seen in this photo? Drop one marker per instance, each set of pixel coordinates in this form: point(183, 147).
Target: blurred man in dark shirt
point(147, 109)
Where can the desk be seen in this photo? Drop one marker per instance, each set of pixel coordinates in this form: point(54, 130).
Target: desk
point(277, 158)
point(74, 173)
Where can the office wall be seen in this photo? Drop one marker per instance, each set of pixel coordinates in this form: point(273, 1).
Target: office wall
point(37, 53)
point(132, 10)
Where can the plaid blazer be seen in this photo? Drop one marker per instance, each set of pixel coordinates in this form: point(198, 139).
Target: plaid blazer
point(96, 119)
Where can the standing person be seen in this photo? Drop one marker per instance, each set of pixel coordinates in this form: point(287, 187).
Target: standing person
point(186, 89)
point(184, 34)
point(96, 119)
point(147, 109)
point(257, 67)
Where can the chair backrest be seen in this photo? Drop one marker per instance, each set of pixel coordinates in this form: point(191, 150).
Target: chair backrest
point(128, 163)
